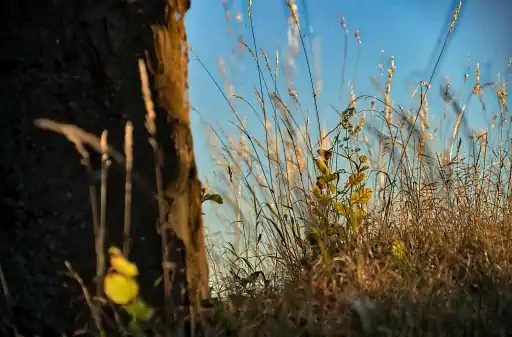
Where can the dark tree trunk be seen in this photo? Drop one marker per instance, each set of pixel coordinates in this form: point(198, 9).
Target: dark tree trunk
point(76, 62)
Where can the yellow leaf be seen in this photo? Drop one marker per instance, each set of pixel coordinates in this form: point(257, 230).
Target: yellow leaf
point(363, 159)
point(120, 264)
point(316, 191)
point(326, 178)
point(355, 222)
point(332, 188)
point(364, 168)
point(324, 197)
point(355, 219)
point(358, 213)
point(331, 177)
point(362, 196)
point(342, 208)
point(320, 164)
point(271, 209)
point(356, 178)
point(398, 249)
point(120, 289)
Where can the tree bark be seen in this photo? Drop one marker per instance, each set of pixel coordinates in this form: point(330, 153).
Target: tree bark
point(78, 61)
point(182, 232)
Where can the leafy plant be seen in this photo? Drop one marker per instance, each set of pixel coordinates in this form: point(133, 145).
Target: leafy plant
point(122, 288)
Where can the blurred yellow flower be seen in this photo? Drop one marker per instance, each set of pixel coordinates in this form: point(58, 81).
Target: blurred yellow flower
point(120, 264)
point(120, 289)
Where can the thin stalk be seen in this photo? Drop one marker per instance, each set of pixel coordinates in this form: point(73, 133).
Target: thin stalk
point(100, 239)
point(128, 150)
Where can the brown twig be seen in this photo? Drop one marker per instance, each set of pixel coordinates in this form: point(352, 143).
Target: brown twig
point(100, 238)
point(94, 310)
point(128, 151)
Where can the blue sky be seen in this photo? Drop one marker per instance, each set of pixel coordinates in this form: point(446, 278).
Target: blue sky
point(407, 29)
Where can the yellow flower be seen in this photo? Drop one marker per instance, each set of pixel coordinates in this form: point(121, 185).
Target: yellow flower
point(120, 264)
point(363, 159)
point(120, 289)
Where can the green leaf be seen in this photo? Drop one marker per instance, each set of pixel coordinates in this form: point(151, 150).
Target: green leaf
point(316, 191)
point(320, 164)
point(332, 188)
point(139, 310)
point(134, 327)
point(312, 236)
point(249, 265)
point(355, 219)
point(271, 209)
point(327, 178)
point(232, 249)
point(324, 197)
point(213, 197)
point(158, 281)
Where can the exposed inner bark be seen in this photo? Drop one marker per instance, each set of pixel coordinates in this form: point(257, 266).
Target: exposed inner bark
point(182, 187)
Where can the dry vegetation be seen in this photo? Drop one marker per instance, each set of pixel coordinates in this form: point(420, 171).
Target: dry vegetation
point(427, 255)
point(361, 230)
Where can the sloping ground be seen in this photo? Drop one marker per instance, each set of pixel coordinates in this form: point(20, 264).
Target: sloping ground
point(75, 62)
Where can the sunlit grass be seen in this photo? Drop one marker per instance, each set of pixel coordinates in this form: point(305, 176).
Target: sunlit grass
point(430, 248)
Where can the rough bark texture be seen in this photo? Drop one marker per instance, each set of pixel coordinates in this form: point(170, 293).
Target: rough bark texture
point(76, 62)
point(183, 189)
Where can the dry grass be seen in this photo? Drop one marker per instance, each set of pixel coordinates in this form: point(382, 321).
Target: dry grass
point(432, 256)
